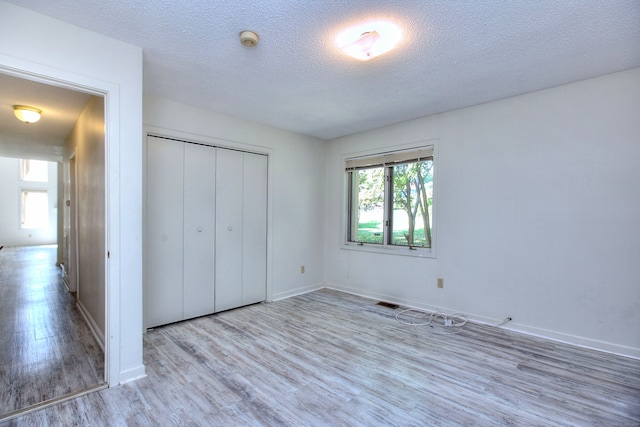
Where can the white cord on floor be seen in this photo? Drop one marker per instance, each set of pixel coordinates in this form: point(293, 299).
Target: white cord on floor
point(451, 323)
point(506, 319)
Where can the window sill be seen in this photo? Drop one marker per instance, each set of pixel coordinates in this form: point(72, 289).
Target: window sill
point(390, 250)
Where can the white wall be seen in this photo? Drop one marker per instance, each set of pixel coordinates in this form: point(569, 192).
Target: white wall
point(11, 234)
point(54, 52)
point(538, 214)
point(296, 186)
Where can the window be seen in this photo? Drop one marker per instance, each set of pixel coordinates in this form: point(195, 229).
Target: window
point(34, 209)
point(390, 200)
point(34, 170)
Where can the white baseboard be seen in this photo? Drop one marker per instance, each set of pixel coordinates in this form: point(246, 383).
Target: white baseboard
point(125, 376)
point(65, 280)
point(512, 326)
point(132, 374)
point(95, 330)
point(297, 291)
point(584, 342)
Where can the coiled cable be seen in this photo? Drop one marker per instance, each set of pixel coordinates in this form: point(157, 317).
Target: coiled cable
point(446, 323)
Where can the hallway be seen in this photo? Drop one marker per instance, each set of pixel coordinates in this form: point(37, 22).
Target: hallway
point(47, 350)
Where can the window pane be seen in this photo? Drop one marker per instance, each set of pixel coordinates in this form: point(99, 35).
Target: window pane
point(35, 170)
point(35, 209)
point(366, 207)
point(412, 199)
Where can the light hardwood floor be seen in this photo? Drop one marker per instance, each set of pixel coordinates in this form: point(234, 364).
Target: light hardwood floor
point(46, 349)
point(334, 359)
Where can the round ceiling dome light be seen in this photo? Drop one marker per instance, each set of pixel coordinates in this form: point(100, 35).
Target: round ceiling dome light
point(27, 114)
point(366, 41)
point(249, 38)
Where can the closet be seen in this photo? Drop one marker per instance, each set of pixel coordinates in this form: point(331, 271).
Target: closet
point(206, 230)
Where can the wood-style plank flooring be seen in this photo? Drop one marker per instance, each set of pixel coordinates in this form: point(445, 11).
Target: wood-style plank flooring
point(46, 350)
point(333, 359)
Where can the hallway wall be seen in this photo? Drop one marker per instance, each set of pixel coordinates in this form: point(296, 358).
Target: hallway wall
point(87, 142)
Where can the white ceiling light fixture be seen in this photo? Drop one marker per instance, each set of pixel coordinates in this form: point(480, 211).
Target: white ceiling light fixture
point(27, 114)
point(366, 41)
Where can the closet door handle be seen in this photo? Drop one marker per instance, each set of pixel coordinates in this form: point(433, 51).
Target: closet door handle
point(199, 229)
point(229, 228)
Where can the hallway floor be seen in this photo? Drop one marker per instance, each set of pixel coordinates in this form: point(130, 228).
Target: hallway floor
point(47, 349)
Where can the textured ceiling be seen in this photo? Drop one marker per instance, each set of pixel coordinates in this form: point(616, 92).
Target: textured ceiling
point(454, 54)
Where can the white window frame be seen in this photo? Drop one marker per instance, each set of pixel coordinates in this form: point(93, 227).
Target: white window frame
point(385, 248)
point(23, 211)
point(24, 171)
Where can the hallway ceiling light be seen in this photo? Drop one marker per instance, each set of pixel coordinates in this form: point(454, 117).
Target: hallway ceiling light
point(27, 114)
point(369, 40)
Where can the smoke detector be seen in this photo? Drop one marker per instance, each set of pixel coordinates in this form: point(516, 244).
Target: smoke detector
point(249, 38)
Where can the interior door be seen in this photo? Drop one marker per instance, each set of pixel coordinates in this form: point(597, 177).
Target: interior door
point(164, 232)
point(199, 230)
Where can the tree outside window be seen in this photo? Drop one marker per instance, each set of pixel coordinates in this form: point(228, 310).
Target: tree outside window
point(412, 201)
point(390, 199)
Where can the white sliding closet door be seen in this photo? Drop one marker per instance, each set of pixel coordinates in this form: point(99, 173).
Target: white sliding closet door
point(199, 230)
point(206, 230)
point(241, 213)
point(164, 232)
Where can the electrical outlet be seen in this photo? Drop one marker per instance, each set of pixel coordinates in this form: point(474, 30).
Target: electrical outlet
point(302, 269)
point(440, 282)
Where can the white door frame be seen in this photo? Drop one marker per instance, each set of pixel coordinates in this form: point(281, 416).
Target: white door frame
point(110, 93)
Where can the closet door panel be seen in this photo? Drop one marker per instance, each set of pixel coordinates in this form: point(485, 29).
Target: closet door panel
point(199, 230)
point(254, 237)
point(164, 232)
point(228, 242)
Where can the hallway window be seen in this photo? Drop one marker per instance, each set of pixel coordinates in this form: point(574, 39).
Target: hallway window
point(34, 209)
point(34, 170)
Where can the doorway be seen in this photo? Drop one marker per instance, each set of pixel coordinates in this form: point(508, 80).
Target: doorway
point(50, 314)
point(67, 56)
